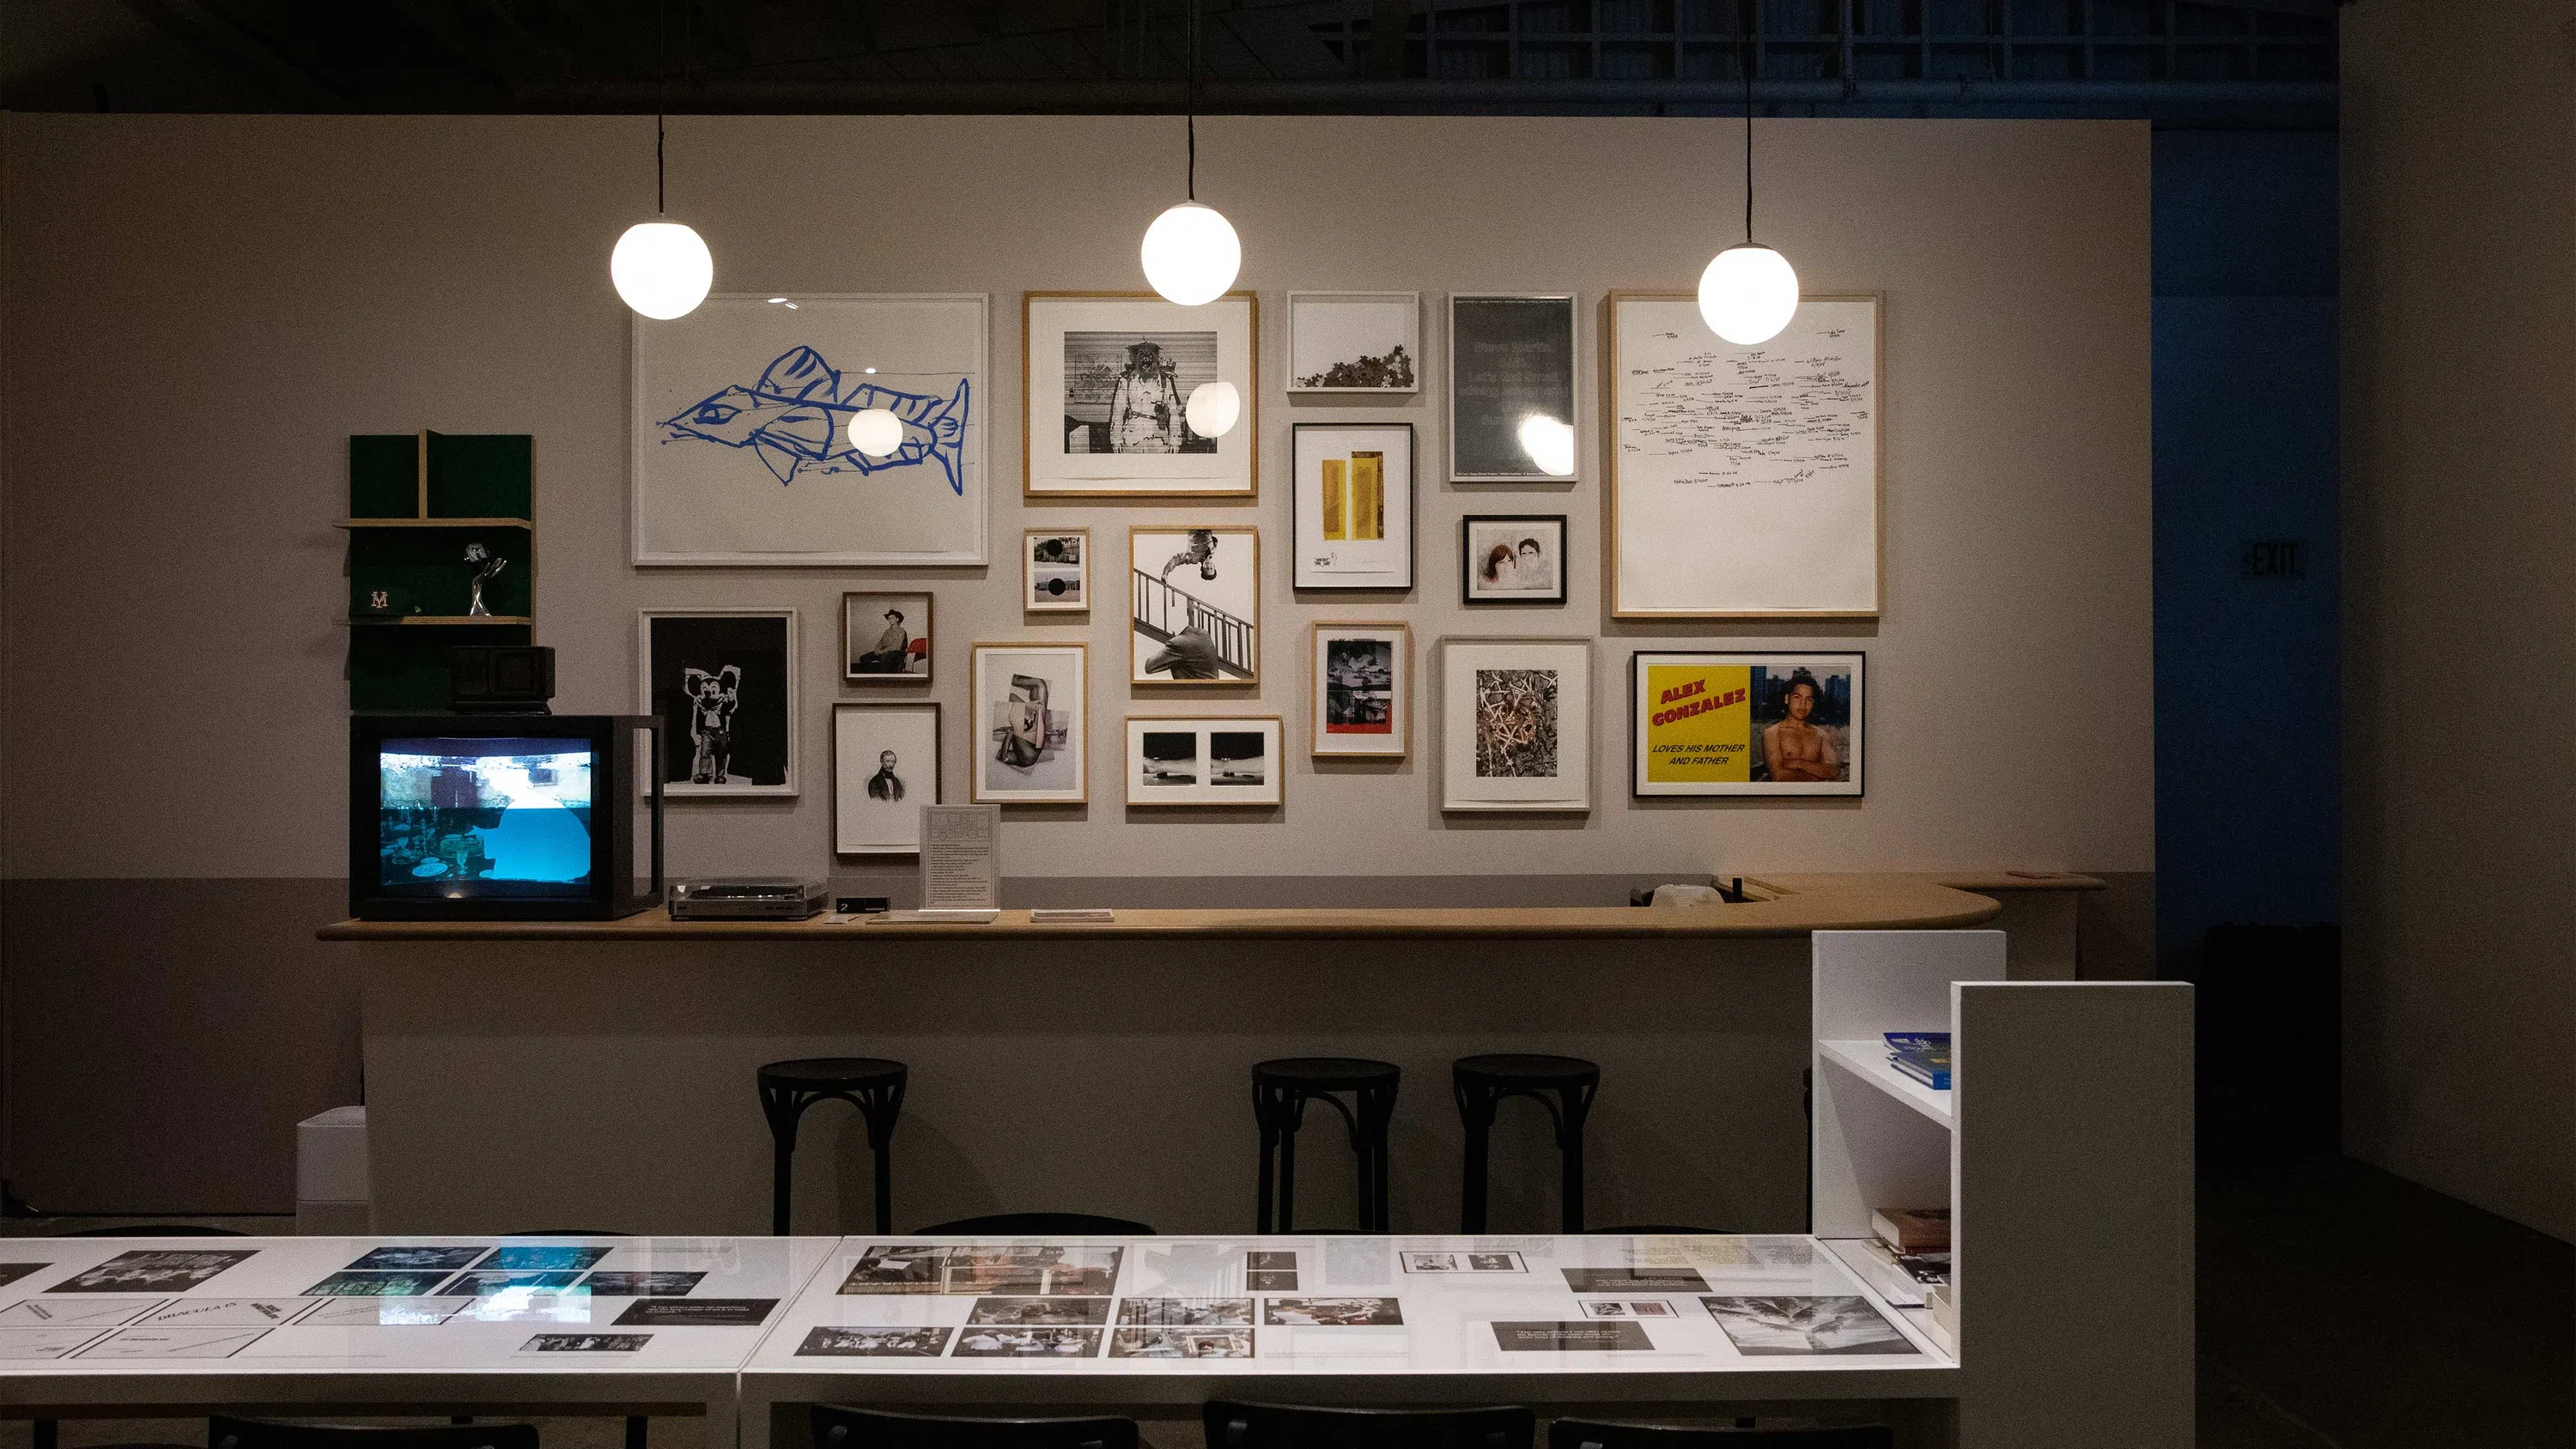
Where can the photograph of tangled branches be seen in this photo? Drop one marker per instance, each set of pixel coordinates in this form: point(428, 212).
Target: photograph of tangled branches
point(1515, 724)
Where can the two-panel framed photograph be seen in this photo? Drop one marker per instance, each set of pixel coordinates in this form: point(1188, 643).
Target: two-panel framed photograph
point(1205, 759)
point(1026, 734)
point(1194, 605)
point(1516, 724)
point(1052, 570)
point(1511, 558)
point(1511, 388)
point(1363, 691)
point(1745, 724)
point(885, 767)
point(723, 682)
point(885, 638)
point(1105, 385)
point(1354, 507)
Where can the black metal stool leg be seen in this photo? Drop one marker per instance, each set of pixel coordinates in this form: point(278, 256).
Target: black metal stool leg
point(635, 1431)
point(1569, 1148)
point(1265, 1115)
point(1369, 1133)
point(1476, 1110)
point(782, 1109)
point(1288, 1172)
point(48, 1433)
point(882, 1109)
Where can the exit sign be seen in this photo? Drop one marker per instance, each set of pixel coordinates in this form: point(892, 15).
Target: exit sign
point(2272, 558)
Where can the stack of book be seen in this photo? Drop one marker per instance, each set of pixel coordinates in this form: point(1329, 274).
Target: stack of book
point(1917, 1240)
point(1922, 1055)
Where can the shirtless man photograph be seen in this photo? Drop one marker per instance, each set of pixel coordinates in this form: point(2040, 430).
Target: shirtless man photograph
point(1795, 750)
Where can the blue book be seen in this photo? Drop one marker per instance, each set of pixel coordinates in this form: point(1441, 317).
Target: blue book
point(1921, 1055)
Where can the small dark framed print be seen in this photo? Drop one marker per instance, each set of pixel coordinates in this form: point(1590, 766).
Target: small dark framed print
point(1745, 724)
point(1511, 558)
point(885, 638)
point(1363, 691)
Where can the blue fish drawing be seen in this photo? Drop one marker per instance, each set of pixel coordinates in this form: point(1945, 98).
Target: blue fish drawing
point(797, 416)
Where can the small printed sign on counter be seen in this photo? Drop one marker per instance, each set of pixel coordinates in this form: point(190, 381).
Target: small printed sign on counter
point(697, 1312)
point(1618, 1335)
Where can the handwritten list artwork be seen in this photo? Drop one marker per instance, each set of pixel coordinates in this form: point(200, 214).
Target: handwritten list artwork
point(1744, 480)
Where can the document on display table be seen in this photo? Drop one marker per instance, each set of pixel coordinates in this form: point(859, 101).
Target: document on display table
point(960, 864)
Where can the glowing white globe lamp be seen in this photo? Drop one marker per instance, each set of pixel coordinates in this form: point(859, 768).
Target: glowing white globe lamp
point(1549, 443)
point(1214, 409)
point(662, 269)
point(875, 432)
point(1191, 254)
point(1748, 293)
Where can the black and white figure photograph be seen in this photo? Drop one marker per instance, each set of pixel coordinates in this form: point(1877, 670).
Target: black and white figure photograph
point(1271, 1280)
point(586, 1343)
point(377, 1285)
point(723, 682)
point(874, 1342)
point(1511, 389)
point(1180, 1343)
point(1827, 1323)
point(1627, 1308)
point(897, 1268)
point(1281, 1259)
point(996, 1342)
point(1024, 1312)
point(1053, 563)
point(885, 767)
point(1515, 724)
point(1362, 690)
point(545, 1257)
point(1222, 760)
point(1186, 1312)
point(1194, 605)
point(1360, 342)
point(885, 638)
point(1444, 1262)
point(1034, 1270)
point(1353, 519)
point(1167, 759)
point(1026, 732)
point(660, 1284)
point(153, 1271)
point(1332, 1312)
point(1110, 382)
point(1511, 558)
point(422, 1258)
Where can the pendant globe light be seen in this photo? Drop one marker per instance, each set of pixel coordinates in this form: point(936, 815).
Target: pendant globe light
point(1748, 291)
point(661, 268)
point(1191, 253)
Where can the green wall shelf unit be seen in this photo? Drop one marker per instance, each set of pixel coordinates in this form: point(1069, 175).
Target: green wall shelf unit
point(417, 502)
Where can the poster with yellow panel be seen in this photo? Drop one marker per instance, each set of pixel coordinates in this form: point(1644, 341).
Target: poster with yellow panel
point(1745, 724)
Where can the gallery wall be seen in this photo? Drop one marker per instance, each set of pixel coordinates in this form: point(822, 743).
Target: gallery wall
point(200, 310)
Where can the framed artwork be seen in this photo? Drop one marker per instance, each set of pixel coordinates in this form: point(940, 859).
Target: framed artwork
point(741, 431)
point(1202, 760)
point(1028, 733)
point(1511, 389)
point(723, 682)
point(1367, 342)
point(1354, 508)
point(1511, 558)
point(1194, 614)
point(1745, 724)
point(1053, 570)
point(885, 638)
point(1105, 384)
point(1744, 481)
point(1363, 694)
point(885, 767)
point(1516, 724)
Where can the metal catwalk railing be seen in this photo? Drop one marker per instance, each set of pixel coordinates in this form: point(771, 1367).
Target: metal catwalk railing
point(1163, 612)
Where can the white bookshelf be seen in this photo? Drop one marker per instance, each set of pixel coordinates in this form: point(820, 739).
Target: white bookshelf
point(1867, 1060)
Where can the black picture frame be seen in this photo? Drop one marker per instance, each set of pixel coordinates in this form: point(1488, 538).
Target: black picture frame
point(1303, 547)
point(1467, 570)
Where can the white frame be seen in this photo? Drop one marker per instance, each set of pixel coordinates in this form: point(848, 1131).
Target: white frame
point(795, 695)
point(1136, 658)
point(1640, 710)
point(1270, 792)
point(929, 631)
point(976, 453)
point(1137, 475)
point(1029, 571)
point(1306, 513)
point(1400, 737)
point(1077, 739)
point(1460, 788)
point(842, 781)
point(1412, 302)
point(1573, 390)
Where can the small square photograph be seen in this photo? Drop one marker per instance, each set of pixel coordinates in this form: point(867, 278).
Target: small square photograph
point(483, 1281)
point(1829, 1323)
point(1186, 1312)
point(1333, 1312)
point(1052, 1312)
point(1628, 1308)
point(1181, 1343)
point(1281, 1258)
point(1495, 1263)
point(1225, 760)
point(874, 1342)
point(885, 638)
point(1363, 691)
point(665, 1284)
point(345, 1284)
point(996, 1342)
point(1053, 565)
point(1512, 559)
point(1195, 605)
point(897, 1268)
point(586, 1343)
point(147, 1270)
point(388, 1259)
point(545, 1256)
point(1270, 1280)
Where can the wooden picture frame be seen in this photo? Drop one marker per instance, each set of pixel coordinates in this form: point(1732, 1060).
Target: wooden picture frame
point(1348, 531)
point(859, 826)
point(1701, 723)
point(1499, 725)
point(1160, 613)
point(1200, 777)
point(1055, 585)
point(1328, 342)
point(735, 741)
point(1008, 750)
point(1494, 398)
point(1143, 466)
point(864, 623)
point(1525, 575)
point(1354, 736)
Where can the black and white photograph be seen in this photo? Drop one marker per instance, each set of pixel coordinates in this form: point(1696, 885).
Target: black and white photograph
point(1026, 732)
point(993, 1342)
point(1194, 605)
point(1450, 1262)
point(1203, 760)
point(1511, 558)
point(148, 1270)
point(346, 1284)
point(885, 767)
point(482, 1282)
point(388, 1259)
point(1186, 1312)
point(545, 1257)
point(1354, 342)
point(1634, 1280)
point(1516, 731)
point(1110, 382)
point(1282, 1259)
point(874, 1343)
point(1362, 690)
point(586, 1343)
point(723, 682)
point(1627, 1308)
point(1332, 1312)
point(1353, 519)
point(897, 1268)
point(1180, 1343)
point(1618, 1336)
point(1270, 1280)
point(1828, 1323)
point(664, 1283)
point(885, 638)
point(1034, 1270)
point(1511, 389)
point(1053, 562)
point(1025, 1312)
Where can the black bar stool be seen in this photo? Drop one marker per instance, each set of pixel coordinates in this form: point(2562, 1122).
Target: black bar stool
point(1483, 1082)
point(872, 1085)
point(1280, 1091)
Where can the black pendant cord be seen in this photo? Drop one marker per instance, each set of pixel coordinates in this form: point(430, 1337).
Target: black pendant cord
point(1191, 189)
point(1748, 123)
point(660, 197)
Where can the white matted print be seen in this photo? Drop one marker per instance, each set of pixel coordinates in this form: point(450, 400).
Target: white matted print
point(723, 682)
point(1363, 690)
point(1354, 342)
point(1106, 383)
point(885, 638)
point(1205, 760)
point(1194, 605)
point(1744, 480)
point(1516, 724)
point(1511, 558)
point(1745, 724)
point(885, 767)
point(1055, 568)
point(1354, 507)
point(1027, 736)
point(741, 427)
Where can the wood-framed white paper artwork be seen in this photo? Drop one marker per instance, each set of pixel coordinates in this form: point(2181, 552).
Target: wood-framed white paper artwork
point(1516, 724)
point(741, 447)
point(1194, 605)
point(1511, 388)
point(1028, 733)
point(1055, 570)
point(1354, 342)
point(1744, 481)
point(1362, 699)
point(1354, 508)
point(885, 767)
point(1105, 386)
point(1205, 759)
point(723, 682)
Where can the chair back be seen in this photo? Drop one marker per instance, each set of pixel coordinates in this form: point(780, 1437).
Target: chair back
point(1233, 1425)
point(154, 1230)
point(1022, 1225)
point(223, 1432)
point(1588, 1434)
point(836, 1427)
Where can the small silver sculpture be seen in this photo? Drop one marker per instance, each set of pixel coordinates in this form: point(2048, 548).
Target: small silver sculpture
point(476, 553)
